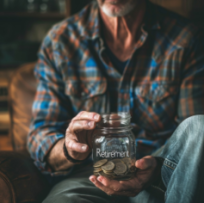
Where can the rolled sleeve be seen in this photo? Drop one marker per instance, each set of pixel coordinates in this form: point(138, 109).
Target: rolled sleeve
point(51, 108)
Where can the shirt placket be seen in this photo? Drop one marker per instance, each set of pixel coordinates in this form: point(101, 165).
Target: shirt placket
point(113, 76)
point(124, 98)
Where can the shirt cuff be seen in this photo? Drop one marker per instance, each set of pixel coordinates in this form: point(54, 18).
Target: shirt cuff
point(43, 149)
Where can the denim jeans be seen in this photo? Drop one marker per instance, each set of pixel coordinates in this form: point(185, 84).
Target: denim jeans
point(182, 173)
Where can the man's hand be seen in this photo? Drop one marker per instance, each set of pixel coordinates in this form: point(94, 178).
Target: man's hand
point(78, 141)
point(79, 134)
point(146, 174)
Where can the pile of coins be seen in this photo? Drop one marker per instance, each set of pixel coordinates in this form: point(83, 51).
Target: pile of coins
point(117, 169)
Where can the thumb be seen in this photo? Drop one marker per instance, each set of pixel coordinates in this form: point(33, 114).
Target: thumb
point(77, 147)
point(146, 163)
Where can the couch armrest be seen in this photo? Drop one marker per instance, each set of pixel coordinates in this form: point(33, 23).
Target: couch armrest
point(20, 180)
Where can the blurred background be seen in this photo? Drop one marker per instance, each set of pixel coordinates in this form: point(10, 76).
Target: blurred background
point(24, 23)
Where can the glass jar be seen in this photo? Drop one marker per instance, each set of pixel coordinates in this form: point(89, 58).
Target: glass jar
point(114, 149)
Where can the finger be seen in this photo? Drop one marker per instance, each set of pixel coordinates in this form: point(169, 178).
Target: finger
point(84, 115)
point(146, 163)
point(79, 125)
point(107, 190)
point(112, 184)
point(132, 184)
point(72, 145)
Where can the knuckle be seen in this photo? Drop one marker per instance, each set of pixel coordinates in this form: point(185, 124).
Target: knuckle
point(68, 131)
point(81, 113)
point(84, 123)
point(71, 125)
point(70, 144)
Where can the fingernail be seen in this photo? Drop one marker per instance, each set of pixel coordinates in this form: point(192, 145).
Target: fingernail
point(96, 117)
point(93, 180)
point(90, 124)
point(99, 178)
point(83, 148)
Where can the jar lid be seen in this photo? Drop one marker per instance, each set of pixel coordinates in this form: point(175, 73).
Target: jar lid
point(116, 116)
point(115, 121)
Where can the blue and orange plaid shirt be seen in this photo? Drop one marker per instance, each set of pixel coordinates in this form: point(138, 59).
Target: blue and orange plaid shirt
point(162, 84)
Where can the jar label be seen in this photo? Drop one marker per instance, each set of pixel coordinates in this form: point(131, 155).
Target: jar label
point(112, 154)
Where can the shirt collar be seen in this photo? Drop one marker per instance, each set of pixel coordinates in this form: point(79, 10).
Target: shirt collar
point(91, 27)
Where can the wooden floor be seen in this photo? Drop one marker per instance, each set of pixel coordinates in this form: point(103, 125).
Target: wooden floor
point(5, 143)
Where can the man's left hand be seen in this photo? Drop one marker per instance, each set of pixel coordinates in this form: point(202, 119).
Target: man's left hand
point(145, 175)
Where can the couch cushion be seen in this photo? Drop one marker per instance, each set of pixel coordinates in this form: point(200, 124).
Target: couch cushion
point(21, 94)
point(20, 180)
point(6, 190)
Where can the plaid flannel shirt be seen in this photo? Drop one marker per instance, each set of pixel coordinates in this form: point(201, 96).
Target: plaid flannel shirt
point(162, 84)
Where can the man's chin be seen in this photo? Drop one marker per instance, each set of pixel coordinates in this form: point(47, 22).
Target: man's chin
point(115, 11)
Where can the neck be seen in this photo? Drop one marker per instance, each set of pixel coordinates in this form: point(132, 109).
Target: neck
point(121, 33)
point(126, 27)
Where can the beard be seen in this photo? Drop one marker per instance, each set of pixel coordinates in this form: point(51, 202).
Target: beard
point(117, 9)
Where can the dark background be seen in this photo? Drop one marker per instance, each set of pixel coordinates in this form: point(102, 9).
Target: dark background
point(24, 23)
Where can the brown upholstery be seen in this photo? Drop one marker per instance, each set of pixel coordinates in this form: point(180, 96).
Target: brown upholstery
point(6, 194)
point(20, 180)
point(21, 94)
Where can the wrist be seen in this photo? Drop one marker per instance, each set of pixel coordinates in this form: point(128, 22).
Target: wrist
point(69, 158)
point(56, 159)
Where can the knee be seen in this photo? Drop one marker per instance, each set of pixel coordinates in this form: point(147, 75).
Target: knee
point(192, 128)
point(194, 122)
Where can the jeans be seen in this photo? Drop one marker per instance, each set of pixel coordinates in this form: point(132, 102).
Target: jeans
point(182, 173)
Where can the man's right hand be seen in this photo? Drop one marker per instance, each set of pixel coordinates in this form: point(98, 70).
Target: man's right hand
point(79, 134)
point(78, 141)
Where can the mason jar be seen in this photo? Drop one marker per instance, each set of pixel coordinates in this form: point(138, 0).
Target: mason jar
point(114, 149)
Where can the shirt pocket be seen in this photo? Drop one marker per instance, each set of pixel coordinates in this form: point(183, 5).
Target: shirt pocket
point(86, 95)
point(155, 105)
point(156, 92)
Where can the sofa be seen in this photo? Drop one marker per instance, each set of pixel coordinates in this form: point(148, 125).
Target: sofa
point(20, 180)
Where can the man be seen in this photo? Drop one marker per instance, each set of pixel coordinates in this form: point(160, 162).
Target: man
point(121, 55)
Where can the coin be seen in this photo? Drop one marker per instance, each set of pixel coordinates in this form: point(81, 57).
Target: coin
point(109, 166)
point(110, 176)
point(100, 163)
point(103, 174)
point(108, 172)
point(127, 161)
point(117, 169)
point(120, 168)
point(117, 160)
point(97, 170)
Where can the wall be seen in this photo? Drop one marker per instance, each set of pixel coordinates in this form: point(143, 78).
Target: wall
point(182, 7)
